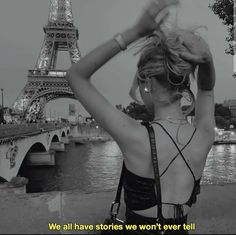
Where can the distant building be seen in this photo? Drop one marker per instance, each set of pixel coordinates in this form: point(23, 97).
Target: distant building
point(72, 114)
point(72, 110)
point(5, 115)
point(81, 119)
point(231, 104)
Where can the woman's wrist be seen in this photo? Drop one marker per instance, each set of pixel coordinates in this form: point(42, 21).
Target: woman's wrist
point(127, 37)
point(206, 75)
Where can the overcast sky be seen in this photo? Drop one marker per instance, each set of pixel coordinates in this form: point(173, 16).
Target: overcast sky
point(21, 25)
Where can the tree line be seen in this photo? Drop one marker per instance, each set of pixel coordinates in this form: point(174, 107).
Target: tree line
point(223, 116)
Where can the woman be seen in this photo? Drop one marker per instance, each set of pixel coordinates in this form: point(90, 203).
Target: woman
point(164, 67)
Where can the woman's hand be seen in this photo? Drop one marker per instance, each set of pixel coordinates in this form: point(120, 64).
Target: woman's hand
point(153, 16)
point(199, 51)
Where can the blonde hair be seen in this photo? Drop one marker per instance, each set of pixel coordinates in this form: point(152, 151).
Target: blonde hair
point(160, 55)
point(160, 59)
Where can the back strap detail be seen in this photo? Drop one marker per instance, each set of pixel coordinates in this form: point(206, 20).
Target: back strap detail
point(180, 150)
point(178, 212)
point(195, 192)
point(193, 196)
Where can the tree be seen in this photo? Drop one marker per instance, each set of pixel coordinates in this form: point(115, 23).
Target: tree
point(225, 11)
point(138, 112)
point(221, 122)
point(222, 111)
point(120, 107)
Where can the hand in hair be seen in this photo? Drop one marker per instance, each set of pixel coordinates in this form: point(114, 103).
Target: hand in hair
point(153, 16)
point(199, 51)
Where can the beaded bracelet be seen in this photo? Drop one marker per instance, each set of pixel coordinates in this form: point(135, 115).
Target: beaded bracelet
point(120, 40)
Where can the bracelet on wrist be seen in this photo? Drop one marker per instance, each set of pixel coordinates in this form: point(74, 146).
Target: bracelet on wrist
point(120, 40)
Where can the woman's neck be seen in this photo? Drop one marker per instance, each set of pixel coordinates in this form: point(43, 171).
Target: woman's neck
point(171, 111)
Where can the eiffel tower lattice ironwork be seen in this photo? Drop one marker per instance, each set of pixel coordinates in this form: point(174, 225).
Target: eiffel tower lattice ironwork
point(45, 82)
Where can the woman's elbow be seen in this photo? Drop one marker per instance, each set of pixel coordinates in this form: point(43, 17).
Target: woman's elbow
point(78, 71)
point(69, 78)
point(74, 76)
point(72, 73)
point(68, 74)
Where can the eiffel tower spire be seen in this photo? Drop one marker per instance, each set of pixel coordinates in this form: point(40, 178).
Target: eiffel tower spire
point(60, 34)
point(45, 82)
point(60, 13)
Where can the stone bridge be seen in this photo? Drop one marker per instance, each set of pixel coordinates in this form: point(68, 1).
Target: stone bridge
point(36, 143)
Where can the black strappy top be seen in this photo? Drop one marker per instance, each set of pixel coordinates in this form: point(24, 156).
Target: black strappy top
point(139, 192)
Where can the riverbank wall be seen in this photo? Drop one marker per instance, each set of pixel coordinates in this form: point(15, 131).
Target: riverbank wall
point(22, 213)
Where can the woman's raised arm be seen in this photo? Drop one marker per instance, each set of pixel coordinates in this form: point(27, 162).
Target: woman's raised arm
point(119, 125)
point(199, 54)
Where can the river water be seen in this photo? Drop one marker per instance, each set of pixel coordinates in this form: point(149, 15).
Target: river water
point(96, 166)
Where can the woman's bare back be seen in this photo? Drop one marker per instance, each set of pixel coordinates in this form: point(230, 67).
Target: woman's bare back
point(177, 176)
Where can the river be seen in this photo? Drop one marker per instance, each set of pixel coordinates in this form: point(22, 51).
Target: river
point(96, 166)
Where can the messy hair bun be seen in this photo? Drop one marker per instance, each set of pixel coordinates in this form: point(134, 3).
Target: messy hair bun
point(160, 58)
point(160, 55)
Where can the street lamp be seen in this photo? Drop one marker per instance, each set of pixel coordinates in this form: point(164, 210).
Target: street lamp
point(2, 97)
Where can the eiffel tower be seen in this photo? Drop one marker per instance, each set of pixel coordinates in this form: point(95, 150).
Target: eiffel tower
point(45, 82)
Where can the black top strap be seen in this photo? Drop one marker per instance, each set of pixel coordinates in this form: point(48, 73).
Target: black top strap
point(181, 154)
point(172, 161)
point(119, 188)
point(115, 207)
point(177, 154)
point(155, 169)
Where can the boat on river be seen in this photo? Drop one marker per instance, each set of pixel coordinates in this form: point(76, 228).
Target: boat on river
point(224, 137)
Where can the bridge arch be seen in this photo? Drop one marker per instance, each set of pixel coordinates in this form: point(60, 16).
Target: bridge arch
point(55, 138)
point(37, 147)
point(15, 153)
point(2, 180)
point(63, 134)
